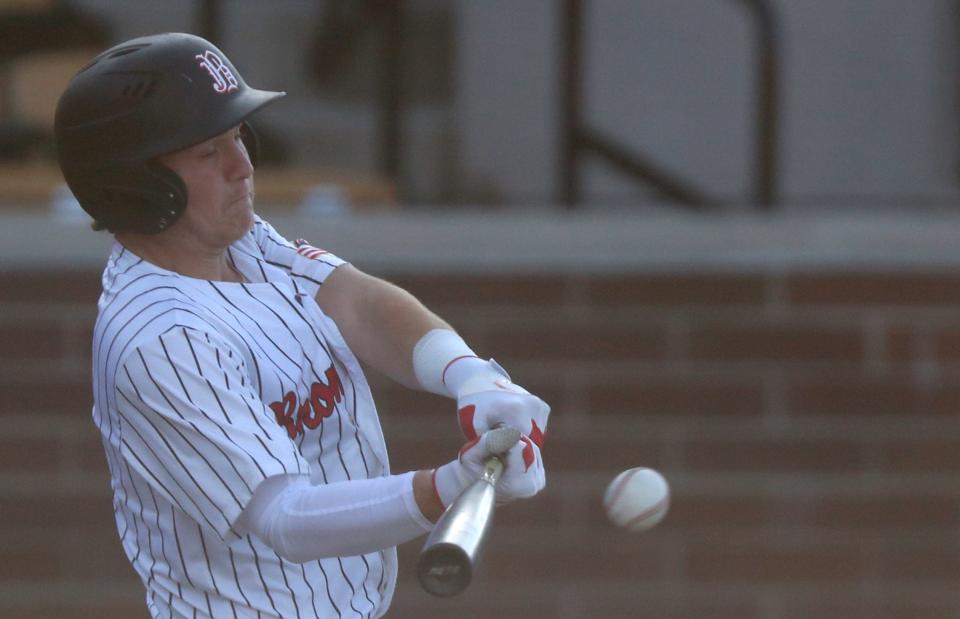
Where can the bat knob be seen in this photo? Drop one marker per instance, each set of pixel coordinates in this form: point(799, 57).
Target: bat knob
point(501, 439)
point(444, 570)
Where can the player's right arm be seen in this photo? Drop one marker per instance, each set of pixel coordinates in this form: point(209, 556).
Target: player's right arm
point(194, 428)
point(304, 522)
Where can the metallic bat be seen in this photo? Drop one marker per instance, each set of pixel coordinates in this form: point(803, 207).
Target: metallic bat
point(454, 547)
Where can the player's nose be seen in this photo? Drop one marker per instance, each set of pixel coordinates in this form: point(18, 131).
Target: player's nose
point(239, 161)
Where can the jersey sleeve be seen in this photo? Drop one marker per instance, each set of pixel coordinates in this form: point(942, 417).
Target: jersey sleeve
point(308, 264)
point(193, 426)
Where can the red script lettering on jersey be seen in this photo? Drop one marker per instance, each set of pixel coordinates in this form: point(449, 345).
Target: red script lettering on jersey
point(319, 405)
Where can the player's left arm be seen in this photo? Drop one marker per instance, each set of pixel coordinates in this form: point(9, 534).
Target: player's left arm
point(381, 322)
point(392, 331)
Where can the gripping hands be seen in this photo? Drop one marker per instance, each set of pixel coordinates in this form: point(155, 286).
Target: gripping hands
point(488, 399)
point(523, 473)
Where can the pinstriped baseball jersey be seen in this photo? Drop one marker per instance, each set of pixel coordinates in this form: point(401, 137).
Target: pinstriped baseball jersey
point(202, 390)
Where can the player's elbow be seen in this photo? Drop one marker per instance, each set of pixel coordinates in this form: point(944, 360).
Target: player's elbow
point(289, 544)
point(288, 548)
point(307, 553)
point(293, 554)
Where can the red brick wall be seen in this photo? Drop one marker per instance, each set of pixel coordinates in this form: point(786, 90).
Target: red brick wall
point(807, 422)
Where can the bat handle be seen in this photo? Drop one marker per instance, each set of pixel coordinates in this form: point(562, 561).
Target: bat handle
point(492, 469)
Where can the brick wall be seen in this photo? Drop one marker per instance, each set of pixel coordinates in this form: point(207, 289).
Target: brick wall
point(806, 420)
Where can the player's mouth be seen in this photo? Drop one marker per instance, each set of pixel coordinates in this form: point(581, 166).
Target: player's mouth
point(245, 196)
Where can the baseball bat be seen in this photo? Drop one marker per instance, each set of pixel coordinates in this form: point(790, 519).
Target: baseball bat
point(454, 547)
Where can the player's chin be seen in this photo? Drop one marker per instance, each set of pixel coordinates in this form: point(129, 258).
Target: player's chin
point(248, 217)
point(240, 214)
point(234, 225)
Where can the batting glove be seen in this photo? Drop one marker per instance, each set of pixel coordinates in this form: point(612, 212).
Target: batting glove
point(523, 473)
point(489, 399)
point(486, 397)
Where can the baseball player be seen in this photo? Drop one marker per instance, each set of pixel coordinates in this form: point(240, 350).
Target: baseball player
point(249, 471)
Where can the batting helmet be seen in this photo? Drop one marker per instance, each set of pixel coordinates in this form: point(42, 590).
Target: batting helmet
point(134, 102)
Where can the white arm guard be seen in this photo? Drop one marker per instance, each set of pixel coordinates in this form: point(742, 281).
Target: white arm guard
point(443, 362)
point(302, 522)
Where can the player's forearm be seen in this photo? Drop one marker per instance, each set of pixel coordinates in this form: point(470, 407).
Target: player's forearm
point(302, 522)
point(380, 321)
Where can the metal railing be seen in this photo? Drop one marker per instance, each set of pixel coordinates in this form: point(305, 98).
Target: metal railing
point(577, 138)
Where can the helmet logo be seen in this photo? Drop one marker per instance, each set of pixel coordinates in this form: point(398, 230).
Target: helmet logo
point(223, 79)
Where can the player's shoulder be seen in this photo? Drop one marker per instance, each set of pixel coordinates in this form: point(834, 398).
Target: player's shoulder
point(149, 316)
point(178, 339)
point(128, 275)
point(140, 301)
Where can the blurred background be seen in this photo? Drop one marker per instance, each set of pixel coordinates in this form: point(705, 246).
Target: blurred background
point(718, 236)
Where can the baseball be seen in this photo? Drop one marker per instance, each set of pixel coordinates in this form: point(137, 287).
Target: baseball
point(637, 499)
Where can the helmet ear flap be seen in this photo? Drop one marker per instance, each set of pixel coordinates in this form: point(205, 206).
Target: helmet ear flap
point(168, 198)
point(144, 197)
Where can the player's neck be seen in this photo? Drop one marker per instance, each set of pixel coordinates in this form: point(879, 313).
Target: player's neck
point(182, 257)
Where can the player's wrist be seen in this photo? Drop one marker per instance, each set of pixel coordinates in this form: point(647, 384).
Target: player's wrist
point(425, 495)
point(465, 376)
point(484, 376)
point(448, 481)
point(441, 356)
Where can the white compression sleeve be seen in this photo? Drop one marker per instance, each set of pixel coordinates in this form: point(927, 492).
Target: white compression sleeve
point(432, 356)
point(302, 522)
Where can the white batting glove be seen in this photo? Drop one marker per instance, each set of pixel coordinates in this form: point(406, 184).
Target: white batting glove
point(523, 473)
point(486, 397)
point(489, 398)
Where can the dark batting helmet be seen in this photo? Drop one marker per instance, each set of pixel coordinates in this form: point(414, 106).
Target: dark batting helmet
point(134, 102)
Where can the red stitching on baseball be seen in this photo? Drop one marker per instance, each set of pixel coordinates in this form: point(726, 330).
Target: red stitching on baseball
point(619, 489)
point(657, 507)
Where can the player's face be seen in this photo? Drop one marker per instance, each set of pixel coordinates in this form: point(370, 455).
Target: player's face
point(219, 179)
